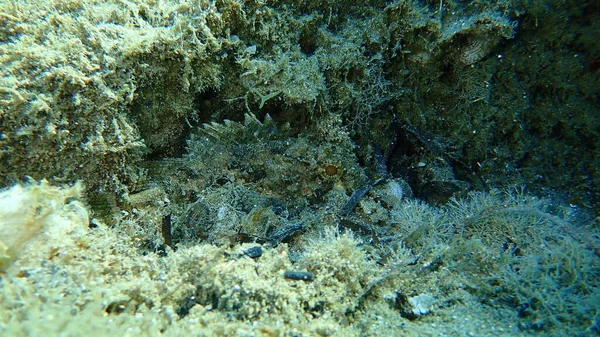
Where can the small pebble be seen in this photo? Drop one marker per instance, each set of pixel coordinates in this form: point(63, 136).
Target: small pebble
point(299, 275)
point(254, 252)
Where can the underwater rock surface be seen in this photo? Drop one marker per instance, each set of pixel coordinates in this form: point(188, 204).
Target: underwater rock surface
point(312, 168)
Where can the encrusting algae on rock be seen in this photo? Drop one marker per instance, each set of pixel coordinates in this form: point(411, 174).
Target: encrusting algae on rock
point(69, 278)
point(40, 215)
point(285, 168)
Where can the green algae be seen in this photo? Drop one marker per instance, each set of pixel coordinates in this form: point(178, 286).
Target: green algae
point(255, 123)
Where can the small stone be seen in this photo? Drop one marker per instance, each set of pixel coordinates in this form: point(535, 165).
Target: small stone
point(253, 252)
point(299, 275)
point(421, 304)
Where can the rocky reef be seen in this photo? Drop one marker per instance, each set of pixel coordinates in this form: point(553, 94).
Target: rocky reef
point(288, 168)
